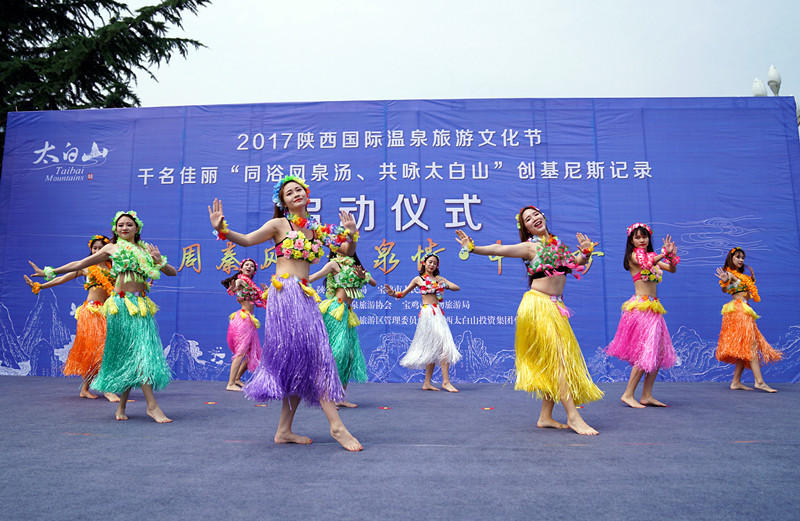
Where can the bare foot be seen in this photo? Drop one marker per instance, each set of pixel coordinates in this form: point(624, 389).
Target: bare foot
point(87, 394)
point(631, 402)
point(346, 440)
point(581, 427)
point(233, 387)
point(764, 387)
point(739, 386)
point(290, 437)
point(429, 387)
point(111, 397)
point(349, 405)
point(550, 423)
point(120, 415)
point(652, 402)
point(449, 387)
point(158, 415)
point(239, 383)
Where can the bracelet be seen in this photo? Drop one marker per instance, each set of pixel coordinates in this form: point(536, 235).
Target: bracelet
point(162, 263)
point(463, 254)
point(587, 252)
point(355, 236)
point(399, 294)
point(49, 273)
point(36, 288)
point(222, 233)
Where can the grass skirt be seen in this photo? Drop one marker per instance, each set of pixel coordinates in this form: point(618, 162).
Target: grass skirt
point(642, 338)
point(433, 342)
point(739, 334)
point(243, 337)
point(134, 354)
point(341, 323)
point(547, 350)
point(87, 349)
point(296, 358)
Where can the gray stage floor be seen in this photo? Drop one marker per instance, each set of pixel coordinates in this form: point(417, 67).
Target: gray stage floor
point(713, 454)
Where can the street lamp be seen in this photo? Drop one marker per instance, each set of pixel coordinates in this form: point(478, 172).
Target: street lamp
point(774, 82)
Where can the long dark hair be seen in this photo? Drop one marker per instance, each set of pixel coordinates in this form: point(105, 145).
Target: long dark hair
point(729, 262)
point(136, 238)
point(524, 234)
point(228, 281)
point(422, 264)
point(279, 212)
point(629, 247)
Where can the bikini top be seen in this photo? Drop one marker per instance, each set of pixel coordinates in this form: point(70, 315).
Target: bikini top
point(250, 293)
point(295, 245)
point(651, 271)
point(100, 276)
point(433, 286)
point(346, 279)
point(553, 258)
point(134, 263)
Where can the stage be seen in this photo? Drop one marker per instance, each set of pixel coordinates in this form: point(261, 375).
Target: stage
point(713, 454)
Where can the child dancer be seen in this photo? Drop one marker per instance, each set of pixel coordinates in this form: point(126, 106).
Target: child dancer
point(740, 341)
point(133, 354)
point(243, 326)
point(549, 361)
point(642, 338)
point(90, 335)
point(344, 279)
point(433, 342)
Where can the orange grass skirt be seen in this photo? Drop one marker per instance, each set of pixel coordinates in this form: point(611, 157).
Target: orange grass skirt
point(739, 334)
point(86, 353)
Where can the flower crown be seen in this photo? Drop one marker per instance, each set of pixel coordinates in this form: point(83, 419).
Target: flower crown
point(131, 213)
point(518, 217)
point(421, 262)
point(734, 250)
point(241, 264)
point(639, 225)
point(103, 238)
point(276, 190)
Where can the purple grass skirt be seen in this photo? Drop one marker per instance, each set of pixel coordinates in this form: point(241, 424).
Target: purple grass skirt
point(243, 338)
point(642, 338)
point(296, 357)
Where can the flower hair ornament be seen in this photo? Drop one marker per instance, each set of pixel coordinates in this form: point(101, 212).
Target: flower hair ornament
point(131, 213)
point(105, 240)
point(276, 190)
point(733, 250)
point(241, 264)
point(518, 217)
point(422, 261)
point(639, 225)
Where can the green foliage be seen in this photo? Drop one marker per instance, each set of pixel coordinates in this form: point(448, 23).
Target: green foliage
point(67, 54)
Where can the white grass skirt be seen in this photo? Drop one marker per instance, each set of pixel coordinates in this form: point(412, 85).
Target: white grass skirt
point(433, 342)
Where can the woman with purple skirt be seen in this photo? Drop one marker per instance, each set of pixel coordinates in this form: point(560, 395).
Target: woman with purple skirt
point(296, 362)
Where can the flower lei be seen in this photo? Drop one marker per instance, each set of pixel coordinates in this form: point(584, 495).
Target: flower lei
point(332, 236)
point(749, 283)
point(552, 255)
point(251, 292)
point(119, 214)
point(651, 272)
point(134, 259)
point(276, 189)
point(431, 285)
point(98, 277)
point(346, 279)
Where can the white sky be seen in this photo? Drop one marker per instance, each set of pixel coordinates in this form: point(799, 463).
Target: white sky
point(294, 50)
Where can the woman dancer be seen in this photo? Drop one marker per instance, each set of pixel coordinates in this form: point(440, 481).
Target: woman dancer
point(344, 279)
point(243, 325)
point(133, 355)
point(296, 359)
point(433, 342)
point(642, 338)
point(90, 335)
point(549, 361)
point(740, 341)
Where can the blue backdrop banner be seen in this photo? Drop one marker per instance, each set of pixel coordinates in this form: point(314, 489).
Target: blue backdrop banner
point(713, 173)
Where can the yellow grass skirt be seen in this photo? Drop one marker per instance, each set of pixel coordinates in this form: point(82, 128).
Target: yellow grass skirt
point(547, 351)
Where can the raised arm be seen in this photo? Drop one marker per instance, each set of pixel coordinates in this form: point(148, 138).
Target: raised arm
point(587, 246)
point(329, 267)
point(522, 250)
point(166, 269)
point(347, 220)
point(217, 218)
point(400, 294)
point(360, 272)
point(102, 255)
point(61, 279)
point(671, 250)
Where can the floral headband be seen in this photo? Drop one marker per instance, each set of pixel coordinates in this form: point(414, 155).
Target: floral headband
point(518, 217)
point(639, 225)
point(241, 264)
point(733, 250)
point(131, 213)
point(276, 190)
point(103, 238)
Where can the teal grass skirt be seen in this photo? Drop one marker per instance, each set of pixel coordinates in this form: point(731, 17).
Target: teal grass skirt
point(341, 323)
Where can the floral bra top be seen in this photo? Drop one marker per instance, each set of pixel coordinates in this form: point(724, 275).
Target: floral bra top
point(346, 279)
point(554, 258)
point(250, 293)
point(433, 286)
point(295, 245)
point(651, 271)
point(100, 276)
point(134, 263)
point(739, 282)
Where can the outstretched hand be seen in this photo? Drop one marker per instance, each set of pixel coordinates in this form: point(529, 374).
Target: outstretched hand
point(37, 271)
point(359, 271)
point(722, 275)
point(389, 290)
point(28, 281)
point(215, 214)
point(584, 241)
point(669, 246)
point(462, 238)
point(347, 220)
point(154, 252)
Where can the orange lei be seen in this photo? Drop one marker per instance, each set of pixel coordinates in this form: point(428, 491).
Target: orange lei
point(97, 274)
point(748, 282)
